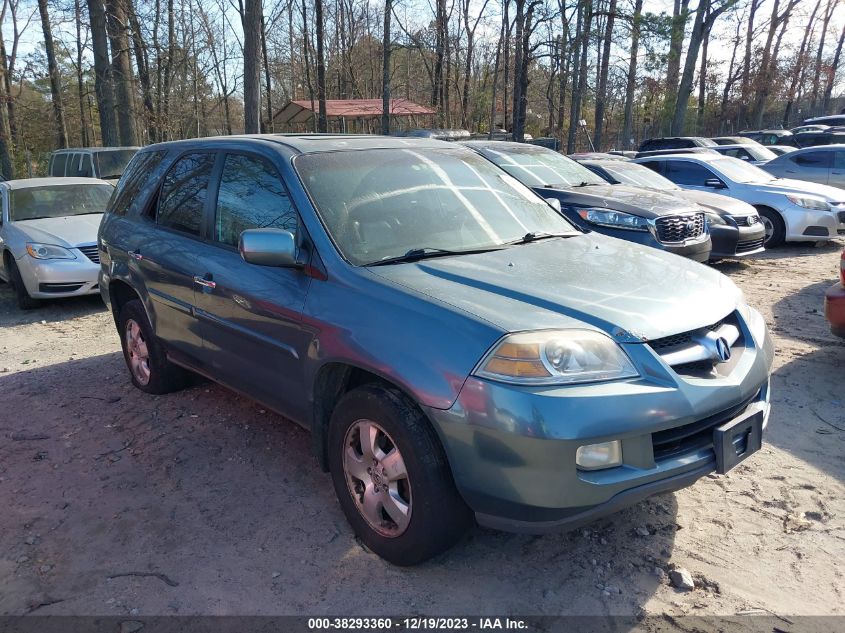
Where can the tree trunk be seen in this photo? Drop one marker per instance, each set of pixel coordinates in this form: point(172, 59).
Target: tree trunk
point(322, 121)
point(517, 131)
point(103, 84)
point(601, 92)
point(385, 70)
point(55, 78)
point(80, 78)
point(122, 75)
point(252, 66)
point(831, 74)
point(268, 87)
point(680, 15)
point(578, 93)
point(702, 83)
point(493, 103)
point(628, 125)
point(818, 66)
point(142, 63)
point(799, 65)
point(746, 65)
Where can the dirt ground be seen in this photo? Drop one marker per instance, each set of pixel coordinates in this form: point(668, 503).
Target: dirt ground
point(113, 502)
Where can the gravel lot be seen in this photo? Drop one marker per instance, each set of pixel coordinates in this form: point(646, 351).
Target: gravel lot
point(119, 503)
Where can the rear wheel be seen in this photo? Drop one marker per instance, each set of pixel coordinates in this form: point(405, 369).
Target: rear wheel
point(25, 302)
point(392, 478)
point(144, 354)
point(774, 226)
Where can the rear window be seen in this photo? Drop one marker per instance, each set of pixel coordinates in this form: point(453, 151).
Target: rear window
point(58, 166)
point(137, 183)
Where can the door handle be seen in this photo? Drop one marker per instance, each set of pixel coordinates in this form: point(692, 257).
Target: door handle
point(204, 282)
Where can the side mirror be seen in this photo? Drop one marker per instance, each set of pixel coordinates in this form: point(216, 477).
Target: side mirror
point(554, 203)
point(268, 247)
point(714, 183)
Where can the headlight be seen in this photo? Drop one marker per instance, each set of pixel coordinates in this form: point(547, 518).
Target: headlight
point(48, 251)
point(614, 219)
point(555, 357)
point(809, 203)
point(714, 218)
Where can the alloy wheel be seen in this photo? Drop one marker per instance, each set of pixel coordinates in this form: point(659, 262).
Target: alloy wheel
point(768, 226)
point(377, 478)
point(139, 354)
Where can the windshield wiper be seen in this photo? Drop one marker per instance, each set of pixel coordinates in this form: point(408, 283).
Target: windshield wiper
point(427, 252)
point(584, 183)
point(533, 237)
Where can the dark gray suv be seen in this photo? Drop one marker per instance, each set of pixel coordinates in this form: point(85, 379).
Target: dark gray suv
point(456, 347)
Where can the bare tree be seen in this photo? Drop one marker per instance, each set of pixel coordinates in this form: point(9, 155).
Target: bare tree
point(252, 66)
point(55, 79)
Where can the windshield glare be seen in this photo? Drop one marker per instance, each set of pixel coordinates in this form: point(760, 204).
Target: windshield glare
point(111, 163)
point(36, 203)
point(382, 203)
point(740, 171)
point(539, 167)
point(639, 176)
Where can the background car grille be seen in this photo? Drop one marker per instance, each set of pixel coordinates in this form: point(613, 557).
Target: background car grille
point(91, 252)
point(748, 245)
point(683, 338)
point(745, 220)
point(842, 216)
point(677, 228)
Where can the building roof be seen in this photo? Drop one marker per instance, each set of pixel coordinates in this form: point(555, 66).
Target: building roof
point(302, 111)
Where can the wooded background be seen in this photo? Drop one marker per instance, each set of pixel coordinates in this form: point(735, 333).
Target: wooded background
point(131, 72)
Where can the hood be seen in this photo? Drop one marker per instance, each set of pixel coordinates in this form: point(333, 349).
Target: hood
point(591, 279)
point(723, 205)
point(634, 200)
point(63, 231)
point(798, 187)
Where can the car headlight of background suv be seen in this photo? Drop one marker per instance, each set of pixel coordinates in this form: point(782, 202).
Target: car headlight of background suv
point(613, 219)
point(816, 204)
point(555, 357)
point(48, 251)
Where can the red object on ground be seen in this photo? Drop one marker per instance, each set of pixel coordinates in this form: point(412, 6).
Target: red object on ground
point(834, 303)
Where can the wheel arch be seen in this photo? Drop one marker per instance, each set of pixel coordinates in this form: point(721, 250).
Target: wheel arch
point(331, 382)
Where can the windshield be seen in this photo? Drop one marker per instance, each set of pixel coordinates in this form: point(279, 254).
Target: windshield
point(383, 203)
point(111, 163)
point(639, 176)
point(55, 201)
point(539, 167)
point(740, 171)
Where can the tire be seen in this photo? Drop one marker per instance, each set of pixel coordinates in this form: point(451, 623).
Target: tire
point(25, 302)
point(144, 354)
point(436, 515)
point(775, 227)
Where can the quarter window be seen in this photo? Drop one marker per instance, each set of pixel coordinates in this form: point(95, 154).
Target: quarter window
point(140, 174)
point(183, 193)
point(251, 196)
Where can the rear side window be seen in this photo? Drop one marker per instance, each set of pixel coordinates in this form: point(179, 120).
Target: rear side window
point(818, 160)
point(183, 193)
point(136, 184)
point(251, 196)
point(59, 162)
point(653, 165)
point(839, 161)
point(686, 173)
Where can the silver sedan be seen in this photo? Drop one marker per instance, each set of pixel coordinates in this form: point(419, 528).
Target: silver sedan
point(48, 236)
point(824, 164)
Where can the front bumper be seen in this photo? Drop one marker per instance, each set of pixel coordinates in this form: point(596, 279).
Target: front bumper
point(834, 309)
point(512, 449)
point(736, 241)
point(58, 278)
point(808, 225)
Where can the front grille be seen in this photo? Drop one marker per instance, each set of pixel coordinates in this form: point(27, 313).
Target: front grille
point(91, 252)
point(748, 245)
point(746, 220)
point(683, 338)
point(696, 435)
point(678, 228)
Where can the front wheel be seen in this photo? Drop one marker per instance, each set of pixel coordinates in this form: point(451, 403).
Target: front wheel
point(25, 302)
point(392, 478)
point(774, 226)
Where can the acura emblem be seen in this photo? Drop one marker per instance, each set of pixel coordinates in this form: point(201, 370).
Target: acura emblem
point(723, 350)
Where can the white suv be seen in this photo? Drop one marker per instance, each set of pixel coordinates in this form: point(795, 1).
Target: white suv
point(791, 210)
